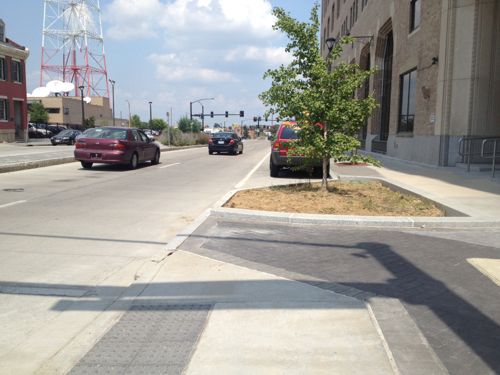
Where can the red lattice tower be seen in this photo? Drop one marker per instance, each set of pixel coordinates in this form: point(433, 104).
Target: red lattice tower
point(73, 46)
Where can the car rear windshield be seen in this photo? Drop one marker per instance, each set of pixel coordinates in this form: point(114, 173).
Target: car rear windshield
point(288, 133)
point(105, 133)
point(223, 135)
point(66, 132)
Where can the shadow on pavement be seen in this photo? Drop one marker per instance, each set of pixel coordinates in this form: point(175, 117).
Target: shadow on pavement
point(460, 320)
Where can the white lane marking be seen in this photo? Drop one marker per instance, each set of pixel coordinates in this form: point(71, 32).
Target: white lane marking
point(247, 177)
point(169, 165)
point(12, 204)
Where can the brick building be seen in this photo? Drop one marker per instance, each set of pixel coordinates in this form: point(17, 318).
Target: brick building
point(438, 71)
point(13, 105)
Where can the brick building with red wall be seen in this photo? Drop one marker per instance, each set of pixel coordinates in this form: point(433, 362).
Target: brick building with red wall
point(13, 103)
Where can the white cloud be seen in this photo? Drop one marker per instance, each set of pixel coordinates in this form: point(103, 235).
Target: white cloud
point(269, 56)
point(136, 19)
point(198, 48)
point(133, 19)
point(171, 67)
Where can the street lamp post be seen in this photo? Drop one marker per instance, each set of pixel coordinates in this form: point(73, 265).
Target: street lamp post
point(129, 118)
point(113, 94)
point(168, 128)
point(202, 111)
point(83, 107)
point(150, 115)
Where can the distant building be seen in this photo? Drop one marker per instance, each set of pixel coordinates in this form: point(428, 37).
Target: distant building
point(67, 110)
point(13, 105)
point(438, 72)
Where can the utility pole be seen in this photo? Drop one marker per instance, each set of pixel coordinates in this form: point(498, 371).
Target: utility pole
point(150, 115)
point(113, 94)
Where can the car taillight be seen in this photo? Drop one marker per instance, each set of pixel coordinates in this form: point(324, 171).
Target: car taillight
point(120, 146)
point(231, 142)
point(80, 144)
point(276, 145)
point(210, 141)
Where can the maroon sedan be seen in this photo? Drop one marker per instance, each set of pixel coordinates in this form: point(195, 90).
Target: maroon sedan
point(115, 146)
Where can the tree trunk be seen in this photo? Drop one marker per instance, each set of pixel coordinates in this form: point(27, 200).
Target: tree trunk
point(324, 182)
point(326, 160)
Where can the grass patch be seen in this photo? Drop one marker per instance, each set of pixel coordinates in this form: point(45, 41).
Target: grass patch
point(343, 198)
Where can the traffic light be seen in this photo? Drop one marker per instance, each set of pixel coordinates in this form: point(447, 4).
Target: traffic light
point(254, 118)
point(242, 113)
point(212, 114)
point(227, 114)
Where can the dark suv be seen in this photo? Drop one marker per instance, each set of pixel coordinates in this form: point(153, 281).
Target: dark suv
point(287, 133)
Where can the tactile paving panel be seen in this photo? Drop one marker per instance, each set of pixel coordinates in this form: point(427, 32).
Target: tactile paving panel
point(148, 339)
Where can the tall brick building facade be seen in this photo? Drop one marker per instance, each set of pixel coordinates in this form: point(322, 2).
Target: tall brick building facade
point(13, 104)
point(438, 71)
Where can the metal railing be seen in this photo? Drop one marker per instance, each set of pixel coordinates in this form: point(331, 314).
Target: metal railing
point(492, 153)
point(477, 148)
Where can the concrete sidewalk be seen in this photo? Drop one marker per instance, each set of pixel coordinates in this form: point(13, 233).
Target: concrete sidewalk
point(234, 320)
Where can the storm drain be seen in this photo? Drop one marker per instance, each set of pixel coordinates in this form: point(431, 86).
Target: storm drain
point(148, 339)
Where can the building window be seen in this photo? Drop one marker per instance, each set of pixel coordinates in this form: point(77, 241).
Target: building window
point(363, 4)
point(16, 71)
point(407, 100)
point(338, 9)
point(4, 109)
point(66, 110)
point(2, 69)
point(414, 14)
point(54, 110)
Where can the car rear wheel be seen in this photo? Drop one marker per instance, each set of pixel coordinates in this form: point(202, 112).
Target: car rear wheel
point(86, 164)
point(134, 160)
point(210, 152)
point(156, 159)
point(274, 169)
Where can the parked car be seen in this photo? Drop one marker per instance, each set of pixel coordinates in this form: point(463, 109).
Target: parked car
point(225, 142)
point(149, 134)
point(56, 129)
point(115, 146)
point(37, 131)
point(67, 137)
point(280, 159)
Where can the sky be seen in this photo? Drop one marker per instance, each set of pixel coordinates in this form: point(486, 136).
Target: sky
point(172, 52)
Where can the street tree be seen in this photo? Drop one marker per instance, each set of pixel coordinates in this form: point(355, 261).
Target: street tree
point(320, 99)
point(187, 125)
point(158, 124)
point(90, 122)
point(135, 121)
point(38, 113)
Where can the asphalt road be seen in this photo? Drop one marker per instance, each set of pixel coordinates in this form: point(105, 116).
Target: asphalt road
point(81, 234)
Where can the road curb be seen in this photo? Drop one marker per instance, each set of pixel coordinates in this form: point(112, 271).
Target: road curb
point(70, 159)
point(457, 219)
point(35, 164)
point(373, 221)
